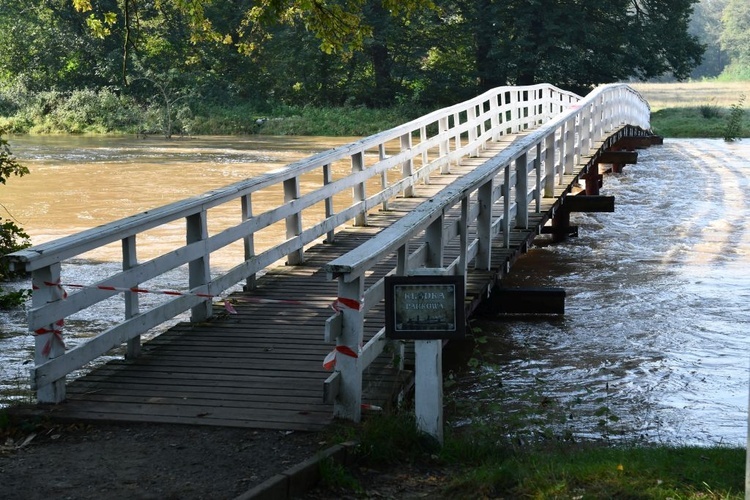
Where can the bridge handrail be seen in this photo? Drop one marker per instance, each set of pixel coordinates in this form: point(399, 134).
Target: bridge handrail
point(516, 178)
point(443, 137)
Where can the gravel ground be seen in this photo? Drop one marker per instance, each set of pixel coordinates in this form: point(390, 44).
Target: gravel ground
point(145, 461)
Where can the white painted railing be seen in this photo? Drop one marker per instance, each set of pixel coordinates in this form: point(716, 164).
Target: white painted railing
point(424, 146)
point(462, 215)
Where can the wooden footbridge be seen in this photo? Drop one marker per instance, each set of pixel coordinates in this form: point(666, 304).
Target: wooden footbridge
point(462, 191)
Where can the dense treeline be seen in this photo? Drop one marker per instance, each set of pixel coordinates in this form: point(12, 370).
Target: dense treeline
point(203, 65)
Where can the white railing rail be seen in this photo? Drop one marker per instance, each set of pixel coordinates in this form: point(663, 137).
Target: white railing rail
point(461, 215)
point(422, 147)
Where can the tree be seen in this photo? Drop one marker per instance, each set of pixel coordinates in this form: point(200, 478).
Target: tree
point(735, 36)
point(12, 237)
point(338, 25)
point(45, 45)
point(579, 43)
point(707, 27)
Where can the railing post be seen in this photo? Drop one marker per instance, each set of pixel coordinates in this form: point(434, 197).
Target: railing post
point(586, 130)
point(444, 144)
point(494, 118)
point(48, 341)
point(199, 270)
point(425, 158)
point(484, 226)
point(358, 192)
point(130, 260)
point(514, 111)
point(327, 179)
point(569, 141)
point(293, 221)
point(506, 206)
point(348, 402)
point(522, 191)
point(249, 240)
point(549, 165)
point(434, 240)
point(407, 167)
point(472, 120)
point(457, 135)
point(463, 261)
point(538, 177)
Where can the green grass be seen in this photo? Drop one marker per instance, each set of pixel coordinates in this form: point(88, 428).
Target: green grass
point(486, 464)
point(692, 122)
point(695, 109)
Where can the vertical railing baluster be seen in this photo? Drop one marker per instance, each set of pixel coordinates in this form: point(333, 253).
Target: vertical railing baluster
point(457, 134)
point(425, 158)
point(407, 167)
point(130, 260)
point(327, 179)
point(48, 340)
point(359, 192)
point(348, 402)
point(538, 177)
point(549, 165)
point(506, 206)
point(569, 144)
point(494, 117)
point(199, 270)
point(484, 226)
point(444, 145)
point(463, 237)
point(402, 260)
point(293, 221)
point(248, 241)
point(434, 239)
point(522, 191)
point(472, 120)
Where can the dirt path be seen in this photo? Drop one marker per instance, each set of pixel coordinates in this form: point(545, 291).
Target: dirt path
point(145, 461)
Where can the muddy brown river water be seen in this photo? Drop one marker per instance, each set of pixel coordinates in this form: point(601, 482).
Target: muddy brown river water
point(654, 345)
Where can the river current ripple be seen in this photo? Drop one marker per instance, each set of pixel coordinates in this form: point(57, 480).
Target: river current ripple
point(654, 343)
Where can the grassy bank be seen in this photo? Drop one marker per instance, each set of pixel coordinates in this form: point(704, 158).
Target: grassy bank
point(486, 464)
point(698, 109)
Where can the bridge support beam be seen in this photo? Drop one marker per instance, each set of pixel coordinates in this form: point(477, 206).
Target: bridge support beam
point(618, 159)
point(561, 228)
point(523, 301)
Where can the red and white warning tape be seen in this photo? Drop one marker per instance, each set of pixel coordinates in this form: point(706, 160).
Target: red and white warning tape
point(338, 305)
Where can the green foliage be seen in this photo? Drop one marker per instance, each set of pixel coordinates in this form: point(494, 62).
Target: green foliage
point(483, 462)
point(12, 237)
point(710, 111)
point(735, 36)
point(685, 122)
point(733, 130)
point(590, 471)
point(375, 53)
point(335, 476)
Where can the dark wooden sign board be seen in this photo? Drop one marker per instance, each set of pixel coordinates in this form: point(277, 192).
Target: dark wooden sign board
point(424, 307)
